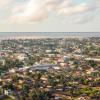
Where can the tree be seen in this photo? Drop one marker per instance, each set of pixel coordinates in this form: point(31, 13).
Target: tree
point(25, 88)
point(15, 78)
point(10, 86)
point(92, 63)
point(10, 63)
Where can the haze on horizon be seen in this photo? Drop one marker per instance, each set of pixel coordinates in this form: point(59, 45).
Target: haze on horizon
point(49, 16)
point(36, 35)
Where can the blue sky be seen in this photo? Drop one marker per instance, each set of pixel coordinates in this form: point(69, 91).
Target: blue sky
point(49, 15)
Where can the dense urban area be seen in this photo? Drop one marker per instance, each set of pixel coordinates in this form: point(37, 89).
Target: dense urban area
point(50, 69)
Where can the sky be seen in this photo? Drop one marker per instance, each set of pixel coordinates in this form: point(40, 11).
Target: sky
point(49, 16)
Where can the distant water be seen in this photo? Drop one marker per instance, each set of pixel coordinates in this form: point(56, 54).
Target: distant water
point(6, 35)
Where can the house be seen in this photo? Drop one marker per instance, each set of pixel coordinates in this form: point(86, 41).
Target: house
point(44, 67)
point(7, 92)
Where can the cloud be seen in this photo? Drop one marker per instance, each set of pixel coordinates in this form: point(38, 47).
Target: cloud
point(34, 10)
point(4, 4)
point(82, 19)
point(38, 10)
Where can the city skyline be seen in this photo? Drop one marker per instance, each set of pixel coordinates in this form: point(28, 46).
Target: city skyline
point(36, 35)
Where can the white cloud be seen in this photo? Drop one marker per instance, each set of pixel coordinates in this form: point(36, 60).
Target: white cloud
point(37, 10)
point(33, 10)
point(82, 19)
point(4, 4)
